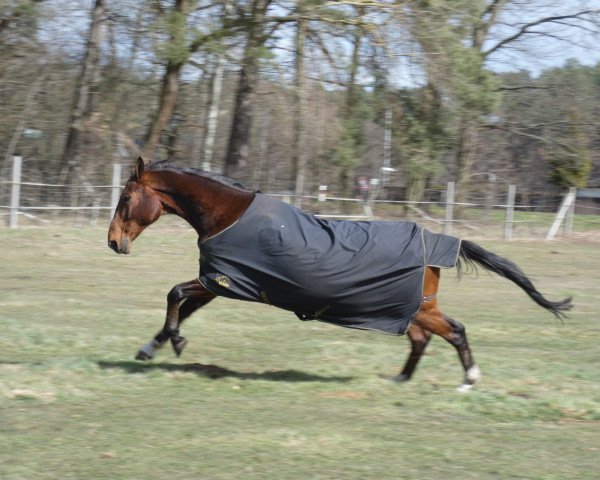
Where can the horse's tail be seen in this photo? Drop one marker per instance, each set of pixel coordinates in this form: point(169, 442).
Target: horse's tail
point(471, 254)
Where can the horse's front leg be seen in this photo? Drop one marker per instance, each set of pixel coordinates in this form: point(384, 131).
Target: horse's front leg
point(183, 300)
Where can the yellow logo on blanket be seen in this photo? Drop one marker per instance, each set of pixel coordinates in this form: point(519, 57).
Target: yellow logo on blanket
point(222, 280)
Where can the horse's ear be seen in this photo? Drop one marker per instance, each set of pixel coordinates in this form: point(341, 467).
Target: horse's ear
point(140, 165)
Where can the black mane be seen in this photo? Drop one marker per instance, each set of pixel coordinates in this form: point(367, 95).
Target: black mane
point(165, 165)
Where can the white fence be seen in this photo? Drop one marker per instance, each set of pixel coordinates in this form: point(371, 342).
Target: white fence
point(443, 219)
point(95, 208)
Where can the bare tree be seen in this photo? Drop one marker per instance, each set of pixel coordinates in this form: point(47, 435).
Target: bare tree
point(238, 150)
point(476, 36)
point(212, 113)
point(176, 59)
point(83, 93)
point(299, 161)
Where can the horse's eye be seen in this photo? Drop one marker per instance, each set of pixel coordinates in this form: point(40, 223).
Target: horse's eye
point(126, 198)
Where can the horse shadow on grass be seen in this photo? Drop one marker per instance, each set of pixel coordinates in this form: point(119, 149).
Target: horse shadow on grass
point(215, 372)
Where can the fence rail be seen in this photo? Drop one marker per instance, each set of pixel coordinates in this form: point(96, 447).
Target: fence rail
point(440, 214)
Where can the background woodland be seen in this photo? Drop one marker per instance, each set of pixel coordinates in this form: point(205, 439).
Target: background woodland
point(287, 95)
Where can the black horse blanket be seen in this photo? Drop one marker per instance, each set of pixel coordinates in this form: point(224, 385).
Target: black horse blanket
point(366, 275)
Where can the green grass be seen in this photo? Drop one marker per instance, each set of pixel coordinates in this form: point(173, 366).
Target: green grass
point(258, 394)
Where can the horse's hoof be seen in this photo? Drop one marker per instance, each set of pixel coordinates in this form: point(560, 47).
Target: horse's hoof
point(400, 378)
point(464, 388)
point(179, 346)
point(143, 356)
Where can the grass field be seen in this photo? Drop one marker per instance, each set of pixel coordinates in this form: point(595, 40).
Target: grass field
point(258, 394)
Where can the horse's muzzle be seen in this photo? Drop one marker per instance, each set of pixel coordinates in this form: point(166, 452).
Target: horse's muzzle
point(124, 248)
point(113, 245)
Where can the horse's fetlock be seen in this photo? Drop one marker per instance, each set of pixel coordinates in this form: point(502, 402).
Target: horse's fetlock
point(473, 374)
point(161, 337)
point(171, 332)
point(401, 378)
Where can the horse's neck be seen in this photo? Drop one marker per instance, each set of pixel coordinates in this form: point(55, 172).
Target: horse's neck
point(207, 205)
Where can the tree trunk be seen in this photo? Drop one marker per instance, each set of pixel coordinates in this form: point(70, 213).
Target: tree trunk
point(467, 143)
point(351, 92)
point(118, 114)
point(168, 96)
point(82, 99)
point(166, 108)
point(465, 158)
point(213, 114)
point(299, 161)
point(350, 109)
point(238, 149)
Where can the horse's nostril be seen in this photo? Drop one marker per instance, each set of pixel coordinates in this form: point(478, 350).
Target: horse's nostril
point(112, 244)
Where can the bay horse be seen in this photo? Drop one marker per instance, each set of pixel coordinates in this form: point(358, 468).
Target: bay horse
point(215, 206)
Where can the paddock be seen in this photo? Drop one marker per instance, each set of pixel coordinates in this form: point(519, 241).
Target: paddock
point(259, 394)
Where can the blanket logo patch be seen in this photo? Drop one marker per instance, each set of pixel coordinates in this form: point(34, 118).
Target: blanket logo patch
point(222, 280)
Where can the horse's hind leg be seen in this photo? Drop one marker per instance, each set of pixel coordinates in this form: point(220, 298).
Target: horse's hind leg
point(183, 300)
point(458, 338)
point(419, 338)
point(429, 319)
point(434, 321)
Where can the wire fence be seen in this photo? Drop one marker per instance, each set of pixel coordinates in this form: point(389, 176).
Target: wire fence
point(26, 203)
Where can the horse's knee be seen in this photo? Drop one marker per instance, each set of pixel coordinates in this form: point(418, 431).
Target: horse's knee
point(175, 295)
point(458, 336)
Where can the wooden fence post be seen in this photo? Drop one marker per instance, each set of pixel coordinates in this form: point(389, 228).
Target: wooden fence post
point(322, 193)
point(510, 213)
point(568, 200)
point(570, 213)
point(116, 188)
point(95, 213)
point(449, 208)
point(15, 192)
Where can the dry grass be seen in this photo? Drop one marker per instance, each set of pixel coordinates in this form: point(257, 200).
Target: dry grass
point(258, 394)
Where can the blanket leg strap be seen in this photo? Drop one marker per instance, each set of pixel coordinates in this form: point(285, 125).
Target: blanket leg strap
point(429, 298)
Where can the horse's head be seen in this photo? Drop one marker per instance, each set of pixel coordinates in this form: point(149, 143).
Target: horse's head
point(138, 207)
